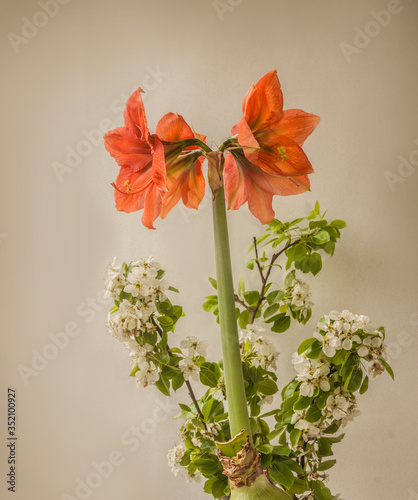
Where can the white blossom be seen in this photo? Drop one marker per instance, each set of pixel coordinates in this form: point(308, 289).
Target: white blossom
point(300, 295)
point(194, 346)
point(115, 280)
point(189, 369)
point(330, 343)
point(147, 374)
point(174, 457)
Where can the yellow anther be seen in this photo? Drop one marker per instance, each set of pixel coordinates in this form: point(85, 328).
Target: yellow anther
point(282, 153)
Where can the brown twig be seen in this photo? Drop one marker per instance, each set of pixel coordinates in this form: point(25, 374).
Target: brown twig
point(237, 299)
point(264, 278)
point(188, 385)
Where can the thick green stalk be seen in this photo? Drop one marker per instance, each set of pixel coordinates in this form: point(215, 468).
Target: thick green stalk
point(261, 489)
point(234, 379)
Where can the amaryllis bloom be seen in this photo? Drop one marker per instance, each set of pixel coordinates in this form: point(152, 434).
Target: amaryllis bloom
point(153, 176)
point(184, 173)
point(141, 182)
point(269, 159)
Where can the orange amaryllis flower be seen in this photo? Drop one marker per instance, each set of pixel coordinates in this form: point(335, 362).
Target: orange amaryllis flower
point(142, 182)
point(184, 173)
point(245, 181)
point(268, 158)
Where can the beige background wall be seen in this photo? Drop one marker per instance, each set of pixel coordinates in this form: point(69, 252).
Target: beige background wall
point(73, 74)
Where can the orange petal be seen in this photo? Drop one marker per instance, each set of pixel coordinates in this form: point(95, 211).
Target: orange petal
point(159, 174)
point(130, 189)
point(152, 205)
point(173, 127)
point(184, 180)
point(263, 102)
point(134, 115)
point(235, 182)
point(247, 140)
point(260, 204)
point(247, 182)
point(127, 149)
point(297, 125)
point(289, 160)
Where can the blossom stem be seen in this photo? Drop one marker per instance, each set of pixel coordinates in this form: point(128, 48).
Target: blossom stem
point(188, 384)
point(264, 278)
point(234, 379)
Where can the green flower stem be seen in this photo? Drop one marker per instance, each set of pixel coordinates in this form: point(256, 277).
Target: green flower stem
point(234, 379)
point(262, 489)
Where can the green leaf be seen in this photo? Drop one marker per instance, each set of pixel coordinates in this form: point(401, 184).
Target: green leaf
point(252, 297)
point(364, 385)
point(311, 264)
point(241, 284)
point(210, 407)
point(275, 296)
point(207, 488)
point(339, 224)
point(281, 450)
point(165, 320)
point(265, 448)
point(172, 289)
point(281, 324)
point(271, 310)
point(298, 487)
point(353, 381)
point(213, 282)
point(163, 385)
point(207, 377)
point(302, 402)
point(250, 264)
point(294, 436)
point(324, 447)
point(219, 487)
point(321, 237)
point(313, 414)
point(244, 319)
point(315, 350)
point(267, 387)
point(321, 491)
point(327, 465)
point(282, 474)
point(388, 368)
point(306, 344)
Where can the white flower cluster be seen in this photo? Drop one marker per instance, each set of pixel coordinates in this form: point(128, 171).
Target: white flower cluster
point(341, 407)
point(219, 392)
point(174, 458)
point(299, 296)
point(262, 349)
point(142, 283)
point(311, 372)
point(341, 331)
point(195, 347)
point(131, 317)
